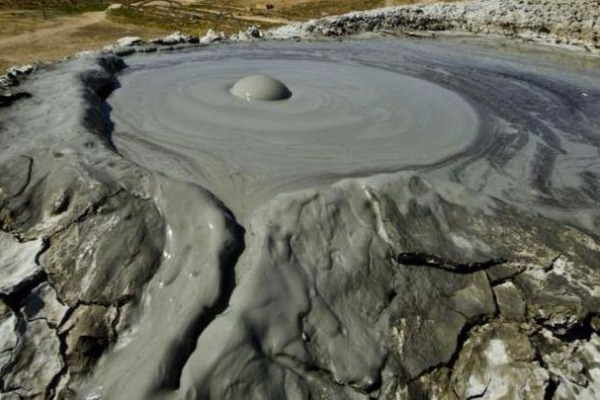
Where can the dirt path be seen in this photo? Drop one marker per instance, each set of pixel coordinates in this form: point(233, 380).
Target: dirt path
point(65, 25)
point(257, 18)
point(65, 36)
point(242, 17)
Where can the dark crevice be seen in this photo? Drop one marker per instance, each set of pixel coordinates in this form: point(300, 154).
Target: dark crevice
point(115, 323)
point(482, 394)
point(28, 179)
point(582, 330)
point(94, 352)
point(43, 249)
point(182, 351)
point(551, 388)
point(15, 299)
point(461, 339)
point(429, 260)
point(552, 263)
point(53, 385)
point(89, 211)
point(8, 100)
point(117, 305)
point(510, 278)
point(553, 382)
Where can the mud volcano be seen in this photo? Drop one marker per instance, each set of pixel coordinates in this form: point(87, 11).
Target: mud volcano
point(388, 219)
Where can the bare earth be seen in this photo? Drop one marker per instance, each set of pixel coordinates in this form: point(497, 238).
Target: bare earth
point(56, 38)
point(26, 37)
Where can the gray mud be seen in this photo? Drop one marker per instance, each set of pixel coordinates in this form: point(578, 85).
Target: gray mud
point(361, 108)
point(419, 220)
point(348, 116)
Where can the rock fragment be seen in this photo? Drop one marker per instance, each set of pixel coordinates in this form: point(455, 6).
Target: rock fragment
point(88, 333)
point(174, 38)
point(510, 301)
point(20, 70)
point(211, 36)
point(85, 262)
point(498, 362)
point(37, 361)
point(9, 338)
point(129, 41)
point(18, 262)
point(42, 303)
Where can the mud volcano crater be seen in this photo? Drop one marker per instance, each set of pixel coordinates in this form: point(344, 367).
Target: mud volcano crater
point(397, 213)
point(339, 117)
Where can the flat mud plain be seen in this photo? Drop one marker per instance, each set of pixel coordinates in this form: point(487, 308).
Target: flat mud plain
point(419, 220)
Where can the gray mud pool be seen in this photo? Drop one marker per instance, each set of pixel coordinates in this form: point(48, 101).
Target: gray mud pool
point(358, 108)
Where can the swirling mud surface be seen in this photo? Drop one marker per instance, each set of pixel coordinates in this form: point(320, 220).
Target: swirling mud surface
point(358, 108)
point(418, 220)
point(345, 116)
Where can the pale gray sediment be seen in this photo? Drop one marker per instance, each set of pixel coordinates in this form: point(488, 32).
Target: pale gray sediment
point(467, 269)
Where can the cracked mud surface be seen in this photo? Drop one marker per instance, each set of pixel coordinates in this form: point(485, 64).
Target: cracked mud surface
point(133, 271)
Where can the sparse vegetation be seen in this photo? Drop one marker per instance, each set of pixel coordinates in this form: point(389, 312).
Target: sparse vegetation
point(51, 29)
point(55, 7)
point(171, 16)
point(315, 9)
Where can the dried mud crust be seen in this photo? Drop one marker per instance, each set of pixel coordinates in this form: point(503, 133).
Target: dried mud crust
point(560, 22)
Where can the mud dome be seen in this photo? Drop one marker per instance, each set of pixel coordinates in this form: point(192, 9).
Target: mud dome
point(260, 87)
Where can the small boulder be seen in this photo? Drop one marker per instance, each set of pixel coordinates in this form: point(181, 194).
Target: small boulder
point(19, 70)
point(114, 7)
point(129, 41)
point(175, 38)
point(211, 37)
point(254, 32)
point(251, 33)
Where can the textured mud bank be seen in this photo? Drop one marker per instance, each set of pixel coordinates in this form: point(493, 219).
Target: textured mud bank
point(421, 224)
point(569, 23)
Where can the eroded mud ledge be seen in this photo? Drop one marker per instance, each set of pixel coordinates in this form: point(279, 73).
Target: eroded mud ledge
point(466, 278)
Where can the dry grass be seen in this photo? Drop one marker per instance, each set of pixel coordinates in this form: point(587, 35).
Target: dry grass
point(189, 21)
point(302, 10)
point(36, 39)
point(194, 16)
point(19, 22)
point(32, 30)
